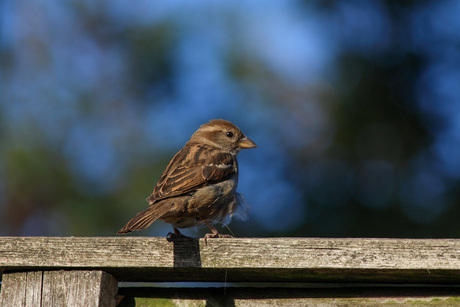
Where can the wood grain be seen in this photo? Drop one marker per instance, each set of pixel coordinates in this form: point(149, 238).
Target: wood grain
point(241, 259)
point(58, 288)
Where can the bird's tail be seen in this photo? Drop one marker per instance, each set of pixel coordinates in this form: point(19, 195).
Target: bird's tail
point(141, 221)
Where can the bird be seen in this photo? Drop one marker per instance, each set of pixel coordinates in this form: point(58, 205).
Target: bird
point(199, 184)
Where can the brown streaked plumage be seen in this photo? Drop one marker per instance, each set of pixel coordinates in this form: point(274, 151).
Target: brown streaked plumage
point(199, 184)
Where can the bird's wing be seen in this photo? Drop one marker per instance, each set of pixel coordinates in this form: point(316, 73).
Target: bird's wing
point(193, 166)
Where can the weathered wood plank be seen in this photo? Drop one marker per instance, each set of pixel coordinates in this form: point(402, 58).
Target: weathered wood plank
point(33, 287)
point(15, 294)
point(241, 259)
point(58, 288)
point(21, 289)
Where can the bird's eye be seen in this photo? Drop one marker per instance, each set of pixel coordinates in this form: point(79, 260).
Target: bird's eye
point(229, 134)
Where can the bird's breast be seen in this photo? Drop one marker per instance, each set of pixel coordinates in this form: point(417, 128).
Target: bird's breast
point(214, 200)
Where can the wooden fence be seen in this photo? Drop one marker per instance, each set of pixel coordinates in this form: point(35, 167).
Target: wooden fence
point(101, 271)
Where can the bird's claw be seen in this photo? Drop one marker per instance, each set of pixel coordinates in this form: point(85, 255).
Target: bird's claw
point(172, 235)
point(215, 235)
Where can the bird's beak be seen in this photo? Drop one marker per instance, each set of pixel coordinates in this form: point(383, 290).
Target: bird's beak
point(245, 142)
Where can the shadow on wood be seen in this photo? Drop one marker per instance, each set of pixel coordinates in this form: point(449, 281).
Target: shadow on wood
point(186, 252)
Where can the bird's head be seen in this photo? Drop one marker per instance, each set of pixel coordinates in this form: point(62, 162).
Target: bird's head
point(222, 134)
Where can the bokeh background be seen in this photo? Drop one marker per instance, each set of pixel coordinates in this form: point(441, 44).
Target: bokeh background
point(355, 106)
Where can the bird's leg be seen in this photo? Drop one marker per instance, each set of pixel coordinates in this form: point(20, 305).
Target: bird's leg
point(176, 234)
point(214, 233)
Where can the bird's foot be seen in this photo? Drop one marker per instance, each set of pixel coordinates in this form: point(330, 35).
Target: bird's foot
point(215, 235)
point(172, 235)
point(176, 234)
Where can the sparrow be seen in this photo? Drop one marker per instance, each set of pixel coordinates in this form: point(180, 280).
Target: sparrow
point(199, 184)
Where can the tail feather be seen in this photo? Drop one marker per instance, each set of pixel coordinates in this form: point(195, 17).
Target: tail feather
point(141, 221)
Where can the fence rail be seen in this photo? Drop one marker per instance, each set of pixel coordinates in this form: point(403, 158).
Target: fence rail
point(36, 266)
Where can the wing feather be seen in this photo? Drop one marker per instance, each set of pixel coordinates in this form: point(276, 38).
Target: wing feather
point(192, 167)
